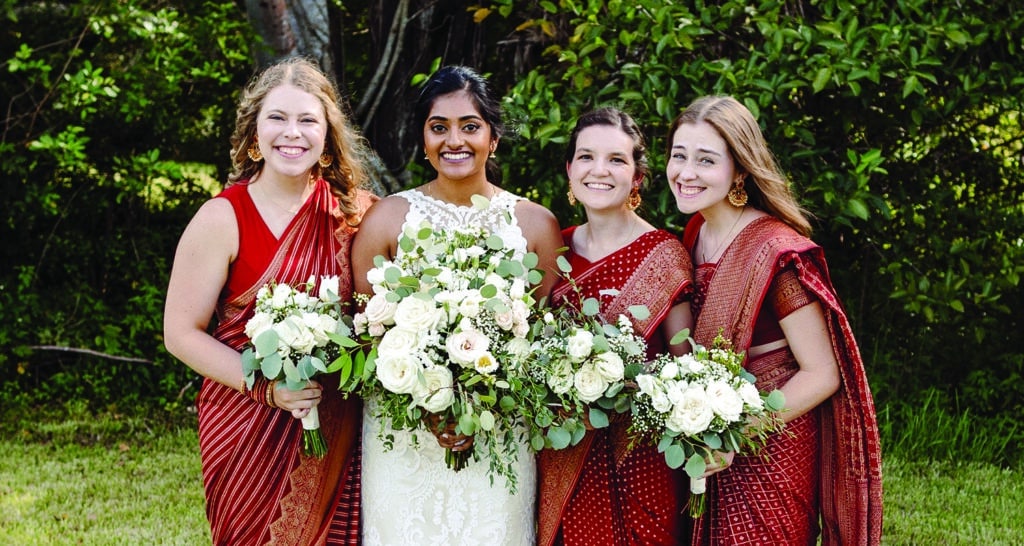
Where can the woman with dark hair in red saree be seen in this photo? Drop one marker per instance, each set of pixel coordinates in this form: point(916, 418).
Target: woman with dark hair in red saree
point(599, 492)
point(765, 286)
point(287, 215)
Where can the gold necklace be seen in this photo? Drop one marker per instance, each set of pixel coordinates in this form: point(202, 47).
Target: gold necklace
point(724, 239)
point(273, 202)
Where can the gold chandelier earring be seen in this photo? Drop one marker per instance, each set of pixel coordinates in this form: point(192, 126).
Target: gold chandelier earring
point(737, 195)
point(254, 152)
point(634, 198)
point(571, 197)
point(325, 161)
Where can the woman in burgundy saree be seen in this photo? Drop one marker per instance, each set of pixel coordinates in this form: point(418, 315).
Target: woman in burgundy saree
point(288, 215)
point(765, 287)
point(599, 492)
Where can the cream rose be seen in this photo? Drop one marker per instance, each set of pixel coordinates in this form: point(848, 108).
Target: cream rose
point(435, 393)
point(417, 314)
point(579, 345)
point(398, 341)
point(259, 323)
point(610, 366)
point(724, 401)
point(589, 383)
point(398, 373)
point(379, 310)
point(282, 296)
point(294, 333)
point(692, 414)
point(751, 397)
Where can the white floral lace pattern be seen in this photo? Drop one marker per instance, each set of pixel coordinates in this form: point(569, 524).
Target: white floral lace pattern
point(409, 495)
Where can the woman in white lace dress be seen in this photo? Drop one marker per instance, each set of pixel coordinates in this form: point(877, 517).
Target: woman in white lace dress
point(409, 495)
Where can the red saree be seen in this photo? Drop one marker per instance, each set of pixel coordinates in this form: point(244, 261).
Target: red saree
point(826, 469)
point(259, 488)
point(597, 492)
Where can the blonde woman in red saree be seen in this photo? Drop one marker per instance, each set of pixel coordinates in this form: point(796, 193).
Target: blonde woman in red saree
point(599, 492)
point(288, 214)
point(765, 286)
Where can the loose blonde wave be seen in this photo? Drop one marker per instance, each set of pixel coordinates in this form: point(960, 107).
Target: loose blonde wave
point(766, 187)
point(343, 144)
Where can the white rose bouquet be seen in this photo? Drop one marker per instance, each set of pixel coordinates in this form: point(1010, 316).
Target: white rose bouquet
point(296, 335)
point(585, 364)
point(699, 403)
point(450, 321)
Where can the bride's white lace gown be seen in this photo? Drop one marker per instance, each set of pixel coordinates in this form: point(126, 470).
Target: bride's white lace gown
point(409, 496)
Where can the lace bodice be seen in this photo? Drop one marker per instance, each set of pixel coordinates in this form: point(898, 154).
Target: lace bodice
point(499, 218)
point(409, 495)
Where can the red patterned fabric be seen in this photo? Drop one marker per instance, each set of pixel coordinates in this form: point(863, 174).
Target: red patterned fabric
point(259, 488)
point(825, 470)
point(598, 492)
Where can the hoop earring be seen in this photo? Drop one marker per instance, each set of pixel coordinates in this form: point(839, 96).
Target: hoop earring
point(634, 199)
point(571, 197)
point(737, 195)
point(325, 161)
point(254, 152)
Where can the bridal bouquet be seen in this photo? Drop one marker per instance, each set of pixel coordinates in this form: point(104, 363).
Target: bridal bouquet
point(699, 403)
point(585, 364)
point(296, 335)
point(450, 320)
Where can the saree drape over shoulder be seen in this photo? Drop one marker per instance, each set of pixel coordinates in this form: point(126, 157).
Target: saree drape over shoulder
point(260, 489)
point(825, 470)
point(598, 492)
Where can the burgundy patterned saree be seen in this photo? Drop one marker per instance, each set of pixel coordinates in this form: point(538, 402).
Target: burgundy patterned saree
point(826, 469)
point(259, 488)
point(597, 492)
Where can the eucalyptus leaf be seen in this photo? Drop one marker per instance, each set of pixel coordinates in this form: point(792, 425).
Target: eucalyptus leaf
point(559, 437)
point(598, 418)
point(695, 466)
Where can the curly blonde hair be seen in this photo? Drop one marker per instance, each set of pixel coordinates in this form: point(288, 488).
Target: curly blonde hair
point(767, 188)
point(343, 144)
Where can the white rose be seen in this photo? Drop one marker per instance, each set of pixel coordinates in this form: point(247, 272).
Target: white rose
point(505, 320)
point(302, 300)
point(647, 384)
point(692, 365)
point(379, 310)
point(375, 276)
point(294, 333)
point(485, 363)
point(328, 324)
point(692, 414)
point(329, 287)
point(518, 347)
point(610, 366)
point(417, 314)
point(282, 296)
point(498, 281)
point(435, 393)
point(724, 401)
point(670, 370)
point(518, 289)
point(579, 345)
point(398, 373)
point(589, 383)
point(660, 401)
point(561, 378)
point(259, 323)
point(469, 303)
point(376, 330)
point(398, 341)
point(315, 324)
point(751, 397)
point(521, 329)
point(466, 346)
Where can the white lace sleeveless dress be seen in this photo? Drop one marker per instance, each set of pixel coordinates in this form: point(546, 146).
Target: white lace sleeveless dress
point(409, 495)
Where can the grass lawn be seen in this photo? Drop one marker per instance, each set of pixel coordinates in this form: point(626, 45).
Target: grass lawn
point(150, 493)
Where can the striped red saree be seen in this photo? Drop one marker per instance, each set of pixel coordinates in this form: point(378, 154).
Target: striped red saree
point(823, 474)
point(598, 492)
point(259, 488)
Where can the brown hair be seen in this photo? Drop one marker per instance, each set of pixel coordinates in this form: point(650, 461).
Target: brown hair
point(343, 143)
point(766, 187)
point(612, 117)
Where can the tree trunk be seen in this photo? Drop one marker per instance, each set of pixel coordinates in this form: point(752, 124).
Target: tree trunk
point(291, 27)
